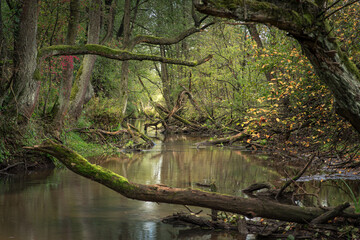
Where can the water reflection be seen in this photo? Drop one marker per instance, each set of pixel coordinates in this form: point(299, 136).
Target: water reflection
point(62, 205)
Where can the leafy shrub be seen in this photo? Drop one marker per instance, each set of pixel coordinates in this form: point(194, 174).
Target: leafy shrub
point(104, 113)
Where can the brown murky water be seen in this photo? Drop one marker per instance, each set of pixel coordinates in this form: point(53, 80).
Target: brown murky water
point(61, 205)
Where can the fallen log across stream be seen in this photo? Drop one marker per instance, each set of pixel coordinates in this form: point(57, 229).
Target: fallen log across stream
point(254, 207)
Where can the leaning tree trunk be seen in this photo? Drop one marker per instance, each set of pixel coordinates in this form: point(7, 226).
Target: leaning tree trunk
point(255, 35)
point(67, 80)
point(24, 89)
point(337, 72)
point(83, 86)
point(165, 79)
point(164, 194)
point(306, 21)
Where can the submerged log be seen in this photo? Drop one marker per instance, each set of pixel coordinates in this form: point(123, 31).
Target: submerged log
point(199, 221)
point(165, 194)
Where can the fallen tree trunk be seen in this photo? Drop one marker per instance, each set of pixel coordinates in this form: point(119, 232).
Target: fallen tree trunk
point(226, 140)
point(148, 140)
point(165, 194)
point(180, 119)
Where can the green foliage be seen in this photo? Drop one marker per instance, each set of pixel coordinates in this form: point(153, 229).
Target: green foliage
point(104, 113)
point(351, 232)
point(4, 152)
point(105, 78)
point(298, 113)
point(346, 24)
point(355, 200)
point(231, 82)
point(83, 146)
point(290, 237)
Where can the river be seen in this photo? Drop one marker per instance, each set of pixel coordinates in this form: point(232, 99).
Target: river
point(59, 204)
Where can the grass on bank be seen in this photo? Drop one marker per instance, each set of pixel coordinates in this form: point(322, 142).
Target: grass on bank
point(85, 148)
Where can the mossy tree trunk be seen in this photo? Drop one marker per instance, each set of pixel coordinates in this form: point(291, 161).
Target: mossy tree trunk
point(164, 194)
point(306, 21)
point(20, 96)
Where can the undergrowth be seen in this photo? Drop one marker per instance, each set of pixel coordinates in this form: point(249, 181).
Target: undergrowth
point(86, 148)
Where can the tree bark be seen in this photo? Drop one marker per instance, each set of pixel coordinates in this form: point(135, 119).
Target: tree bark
point(24, 88)
point(84, 86)
point(110, 15)
point(165, 194)
point(123, 95)
point(307, 23)
point(66, 81)
point(2, 59)
point(255, 35)
point(165, 79)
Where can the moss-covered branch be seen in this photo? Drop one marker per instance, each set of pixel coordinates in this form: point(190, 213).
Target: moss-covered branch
point(121, 55)
point(165, 194)
point(286, 15)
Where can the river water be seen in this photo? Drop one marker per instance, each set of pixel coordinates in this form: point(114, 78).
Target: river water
point(59, 204)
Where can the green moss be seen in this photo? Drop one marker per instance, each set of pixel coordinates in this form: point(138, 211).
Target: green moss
point(80, 165)
point(148, 36)
point(36, 75)
point(309, 18)
point(88, 149)
point(349, 64)
point(103, 49)
point(57, 49)
point(272, 9)
point(75, 87)
point(45, 51)
point(344, 58)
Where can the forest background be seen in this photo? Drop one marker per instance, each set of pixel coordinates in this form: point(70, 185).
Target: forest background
point(250, 78)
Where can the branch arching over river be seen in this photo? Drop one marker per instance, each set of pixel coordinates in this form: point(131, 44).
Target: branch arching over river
point(164, 194)
point(117, 54)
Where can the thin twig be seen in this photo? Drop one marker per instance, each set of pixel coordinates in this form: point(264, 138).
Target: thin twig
point(192, 211)
point(335, 11)
point(10, 166)
point(325, 10)
point(294, 178)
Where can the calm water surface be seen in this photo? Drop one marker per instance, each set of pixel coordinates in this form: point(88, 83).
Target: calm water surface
point(62, 205)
